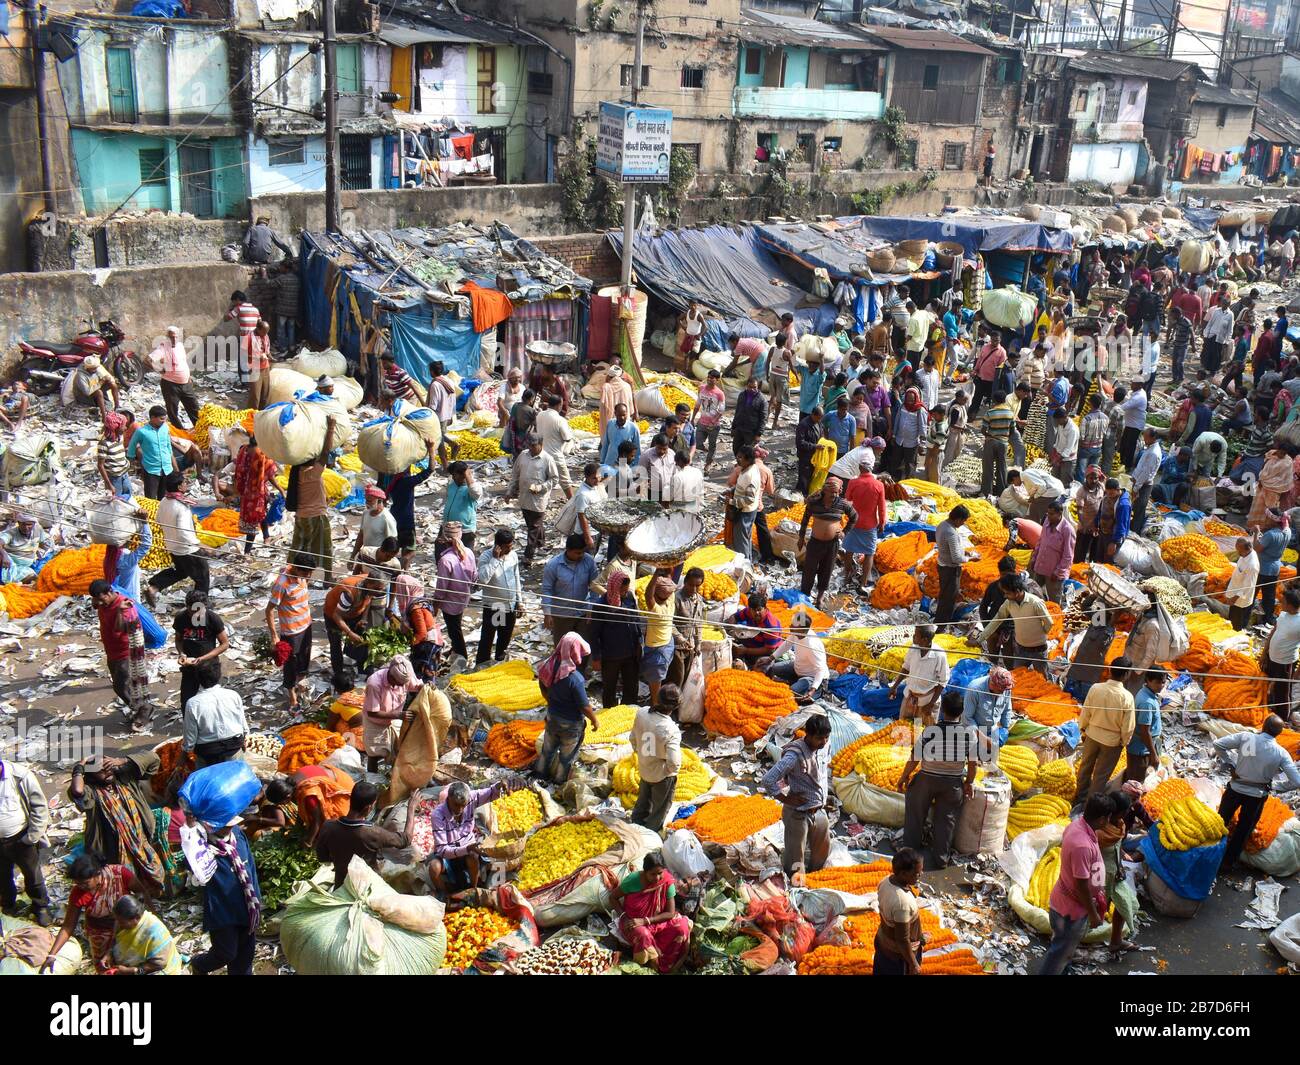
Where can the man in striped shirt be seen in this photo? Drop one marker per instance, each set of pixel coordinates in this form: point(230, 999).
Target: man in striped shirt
point(288, 619)
point(998, 420)
point(396, 380)
point(111, 458)
point(247, 316)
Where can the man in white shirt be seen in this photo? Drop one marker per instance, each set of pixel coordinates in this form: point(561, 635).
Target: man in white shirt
point(24, 821)
point(925, 670)
point(1135, 420)
point(1144, 477)
point(1241, 589)
point(927, 380)
point(659, 463)
point(686, 489)
point(557, 437)
point(1217, 333)
point(781, 363)
point(861, 457)
point(1065, 447)
point(807, 671)
point(215, 724)
point(590, 491)
point(1014, 500)
point(176, 520)
point(657, 743)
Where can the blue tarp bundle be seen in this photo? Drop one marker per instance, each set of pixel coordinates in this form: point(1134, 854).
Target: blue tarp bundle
point(902, 528)
point(840, 251)
point(1191, 873)
point(965, 673)
point(875, 702)
point(726, 268)
point(418, 335)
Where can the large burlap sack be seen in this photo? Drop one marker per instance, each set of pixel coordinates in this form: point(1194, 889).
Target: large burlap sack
point(112, 522)
point(286, 383)
point(348, 392)
point(363, 928)
point(1195, 256)
point(1009, 307)
point(1019, 861)
point(982, 825)
point(869, 803)
point(24, 946)
point(314, 363)
point(388, 446)
point(292, 431)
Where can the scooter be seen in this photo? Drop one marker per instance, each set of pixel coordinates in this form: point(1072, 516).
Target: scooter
point(47, 363)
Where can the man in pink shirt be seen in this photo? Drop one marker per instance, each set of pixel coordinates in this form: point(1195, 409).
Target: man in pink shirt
point(1052, 558)
point(176, 389)
point(1187, 301)
point(381, 712)
point(987, 364)
point(867, 495)
point(1079, 898)
point(746, 350)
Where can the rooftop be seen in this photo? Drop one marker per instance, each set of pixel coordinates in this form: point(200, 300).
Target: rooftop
point(771, 27)
point(1133, 66)
point(1218, 94)
point(926, 41)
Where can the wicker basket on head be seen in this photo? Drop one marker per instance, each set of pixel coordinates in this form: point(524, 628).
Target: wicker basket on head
point(618, 517)
point(911, 249)
point(947, 251)
point(669, 538)
point(882, 260)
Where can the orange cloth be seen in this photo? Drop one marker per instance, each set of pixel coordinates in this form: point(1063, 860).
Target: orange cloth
point(489, 305)
point(331, 788)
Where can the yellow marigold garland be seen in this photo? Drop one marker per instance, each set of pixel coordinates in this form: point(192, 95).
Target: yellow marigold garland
point(509, 686)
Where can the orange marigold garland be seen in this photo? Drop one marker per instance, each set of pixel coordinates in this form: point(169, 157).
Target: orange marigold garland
point(72, 570)
point(1200, 656)
point(1275, 814)
point(851, 879)
point(977, 576)
point(898, 553)
point(731, 818)
point(513, 744)
point(1164, 793)
point(895, 590)
point(740, 702)
point(307, 744)
point(927, 573)
point(897, 733)
point(821, 622)
point(21, 601)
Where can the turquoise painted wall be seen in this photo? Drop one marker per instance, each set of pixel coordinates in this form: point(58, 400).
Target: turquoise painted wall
point(796, 68)
point(510, 103)
point(744, 79)
point(108, 168)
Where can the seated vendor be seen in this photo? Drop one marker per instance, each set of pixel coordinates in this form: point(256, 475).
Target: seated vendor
point(321, 793)
point(1173, 476)
point(142, 945)
point(648, 919)
point(755, 615)
point(455, 863)
point(1014, 500)
point(354, 835)
point(344, 719)
point(25, 542)
point(806, 672)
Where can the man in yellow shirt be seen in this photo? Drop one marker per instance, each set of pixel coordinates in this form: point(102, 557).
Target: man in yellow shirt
point(661, 607)
point(1107, 721)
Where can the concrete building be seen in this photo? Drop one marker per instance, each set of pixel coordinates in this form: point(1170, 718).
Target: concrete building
point(151, 120)
point(1215, 146)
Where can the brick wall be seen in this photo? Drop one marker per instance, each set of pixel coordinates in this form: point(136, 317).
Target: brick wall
point(133, 240)
point(589, 254)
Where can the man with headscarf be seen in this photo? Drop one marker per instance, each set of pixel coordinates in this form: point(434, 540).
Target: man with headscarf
point(25, 542)
point(387, 693)
point(173, 363)
point(377, 522)
point(110, 456)
point(987, 706)
point(910, 425)
point(568, 709)
point(826, 510)
point(615, 391)
point(510, 393)
point(89, 382)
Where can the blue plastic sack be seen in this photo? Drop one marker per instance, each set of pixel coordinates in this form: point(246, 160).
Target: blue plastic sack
point(965, 673)
point(875, 702)
point(902, 528)
point(1190, 873)
point(790, 596)
point(846, 685)
point(154, 634)
point(466, 390)
point(1070, 733)
point(274, 508)
point(219, 793)
point(354, 499)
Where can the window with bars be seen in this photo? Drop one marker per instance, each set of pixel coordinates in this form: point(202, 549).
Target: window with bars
point(153, 166)
point(284, 153)
point(907, 155)
point(487, 77)
point(625, 75)
point(954, 156)
point(692, 77)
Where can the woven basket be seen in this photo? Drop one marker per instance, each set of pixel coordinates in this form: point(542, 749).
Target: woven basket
point(882, 259)
point(620, 516)
point(947, 251)
point(660, 540)
point(911, 249)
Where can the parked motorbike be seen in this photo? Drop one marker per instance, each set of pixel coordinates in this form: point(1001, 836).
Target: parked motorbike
point(47, 363)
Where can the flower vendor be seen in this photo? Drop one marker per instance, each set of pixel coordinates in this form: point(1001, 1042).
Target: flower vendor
point(1031, 620)
point(899, 939)
point(648, 917)
point(657, 741)
point(800, 781)
point(806, 672)
point(1106, 723)
point(568, 709)
point(320, 792)
point(925, 672)
point(455, 863)
point(760, 633)
point(387, 693)
point(938, 777)
point(142, 945)
point(987, 706)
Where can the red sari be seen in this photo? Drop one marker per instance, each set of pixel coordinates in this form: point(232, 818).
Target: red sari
point(252, 471)
point(662, 944)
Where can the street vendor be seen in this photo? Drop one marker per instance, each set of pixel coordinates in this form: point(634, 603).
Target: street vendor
point(455, 863)
point(987, 706)
point(342, 838)
point(925, 672)
point(615, 392)
point(800, 781)
point(767, 635)
point(26, 543)
point(1260, 760)
point(649, 921)
point(387, 694)
point(319, 792)
point(807, 671)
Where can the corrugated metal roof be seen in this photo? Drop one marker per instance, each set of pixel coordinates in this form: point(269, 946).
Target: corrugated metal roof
point(927, 41)
point(770, 27)
point(414, 26)
point(1132, 66)
point(1276, 118)
point(1224, 97)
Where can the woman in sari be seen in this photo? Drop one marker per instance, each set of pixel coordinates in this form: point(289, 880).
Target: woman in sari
point(656, 932)
point(254, 475)
point(415, 613)
point(120, 825)
point(142, 946)
point(1275, 481)
point(97, 887)
point(321, 792)
point(122, 571)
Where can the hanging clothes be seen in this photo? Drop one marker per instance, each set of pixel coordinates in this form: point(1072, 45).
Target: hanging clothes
point(490, 306)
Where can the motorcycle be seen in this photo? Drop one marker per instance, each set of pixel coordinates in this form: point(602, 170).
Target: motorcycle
point(46, 363)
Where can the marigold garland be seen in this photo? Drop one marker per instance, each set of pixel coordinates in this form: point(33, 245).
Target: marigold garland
point(509, 686)
point(1035, 812)
point(21, 601)
point(615, 724)
point(306, 744)
point(1057, 778)
point(513, 744)
point(1187, 824)
point(693, 779)
point(895, 590)
point(1020, 764)
point(898, 553)
point(739, 702)
point(157, 557)
point(896, 733)
point(851, 879)
point(72, 570)
point(978, 575)
point(730, 818)
point(1194, 553)
point(219, 526)
point(1275, 814)
point(1164, 793)
point(783, 612)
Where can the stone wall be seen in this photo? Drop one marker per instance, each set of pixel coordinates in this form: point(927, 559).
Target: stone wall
point(530, 210)
point(134, 240)
point(143, 300)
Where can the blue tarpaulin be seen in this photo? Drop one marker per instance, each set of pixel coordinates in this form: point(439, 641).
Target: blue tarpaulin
point(1191, 873)
point(417, 333)
point(726, 268)
point(843, 249)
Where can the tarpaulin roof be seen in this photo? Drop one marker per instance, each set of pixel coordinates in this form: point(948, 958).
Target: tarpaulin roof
point(726, 268)
point(841, 246)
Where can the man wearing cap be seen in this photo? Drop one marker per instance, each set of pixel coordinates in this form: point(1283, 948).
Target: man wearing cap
point(258, 240)
point(377, 523)
point(987, 706)
point(177, 392)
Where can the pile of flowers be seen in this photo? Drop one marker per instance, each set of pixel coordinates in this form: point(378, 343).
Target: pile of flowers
point(731, 818)
point(882, 766)
point(1020, 764)
point(307, 744)
point(470, 931)
point(1195, 553)
point(72, 570)
point(615, 724)
point(895, 590)
point(1275, 814)
point(1186, 824)
point(508, 685)
point(1057, 778)
point(739, 702)
point(517, 812)
point(897, 733)
point(1163, 794)
point(475, 448)
point(899, 553)
point(1033, 695)
point(1035, 812)
point(693, 780)
point(514, 743)
point(851, 879)
point(553, 852)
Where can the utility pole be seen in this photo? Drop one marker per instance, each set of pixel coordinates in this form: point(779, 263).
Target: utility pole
point(331, 123)
point(42, 117)
point(1065, 17)
point(1173, 29)
point(1119, 28)
point(629, 191)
